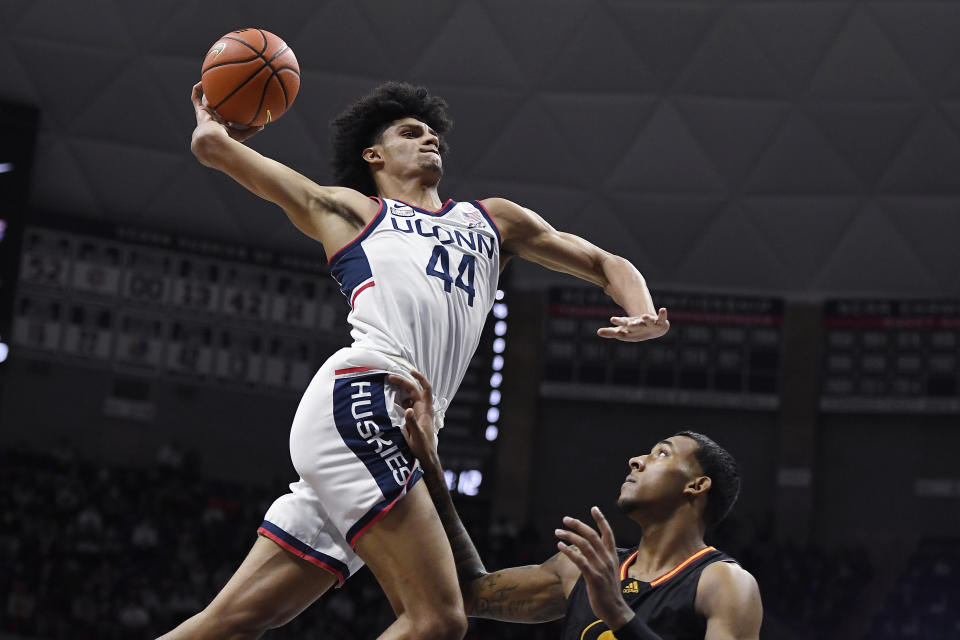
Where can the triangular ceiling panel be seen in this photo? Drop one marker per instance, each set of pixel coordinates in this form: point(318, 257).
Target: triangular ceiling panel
point(802, 231)
point(732, 254)
point(530, 149)
point(729, 63)
point(18, 86)
point(468, 52)
point(125, 178)
point(535, 35)
point(403, 32)
point(801, 160)
point(67, 89)
point(173, 80)
point(189, 183)
point(614, 233)
point(733, 133)
point(479, 119)
point(863, 65)
point(926, 40)
point(329, 54)
point(666, 228)
point(922, 223)
point(322, 97)
point(142, 115)
point(666, 158)
point(598, 57)
point(262, 216)
point(68, 23)
point(11, 11)
point(929, 161)
point(599, 128)
point(852, 130)
point(872, 257)
point(666, 34)
point(794, 36)
point(71, 193)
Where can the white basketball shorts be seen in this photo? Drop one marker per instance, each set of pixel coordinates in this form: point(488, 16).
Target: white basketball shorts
point(353, 461)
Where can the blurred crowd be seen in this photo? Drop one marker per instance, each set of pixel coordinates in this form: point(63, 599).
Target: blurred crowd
point(109, 552)
point(94, 552)
point(924, 604)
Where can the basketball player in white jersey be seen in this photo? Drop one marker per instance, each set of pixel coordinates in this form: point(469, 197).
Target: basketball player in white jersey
point(420, 276)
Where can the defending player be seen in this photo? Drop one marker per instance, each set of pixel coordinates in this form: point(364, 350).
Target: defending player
point(672, 587)
point(420, 276)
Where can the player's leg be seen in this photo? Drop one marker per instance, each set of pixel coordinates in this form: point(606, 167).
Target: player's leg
point(271, 587)
point(410, 556)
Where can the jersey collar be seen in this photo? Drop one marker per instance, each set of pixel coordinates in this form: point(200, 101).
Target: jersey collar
point(669, 574)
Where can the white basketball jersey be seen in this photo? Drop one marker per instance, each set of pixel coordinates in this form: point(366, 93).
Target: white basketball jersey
point(420, 285)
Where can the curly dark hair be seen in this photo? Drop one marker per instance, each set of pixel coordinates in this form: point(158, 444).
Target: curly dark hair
point(363, 122)
point(721, 468)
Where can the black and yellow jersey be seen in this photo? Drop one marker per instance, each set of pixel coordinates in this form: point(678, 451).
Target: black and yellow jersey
point(665, 604)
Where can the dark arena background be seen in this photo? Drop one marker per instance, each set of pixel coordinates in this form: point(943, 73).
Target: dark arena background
point(786, 175)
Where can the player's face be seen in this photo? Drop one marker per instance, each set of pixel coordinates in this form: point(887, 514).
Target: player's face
point(409, 144)
point(657, 479)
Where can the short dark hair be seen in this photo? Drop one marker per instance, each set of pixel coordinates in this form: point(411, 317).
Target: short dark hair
point(721, 468)
point(363, 122)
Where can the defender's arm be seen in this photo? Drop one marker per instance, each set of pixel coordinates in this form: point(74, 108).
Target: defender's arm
point(529, 236)
point(535, 593)
point(330, 215)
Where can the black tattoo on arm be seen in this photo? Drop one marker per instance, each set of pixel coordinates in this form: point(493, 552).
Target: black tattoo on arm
point(465, 556)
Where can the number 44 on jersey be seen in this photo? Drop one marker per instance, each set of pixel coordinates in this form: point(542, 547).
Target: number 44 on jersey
point(439, 267)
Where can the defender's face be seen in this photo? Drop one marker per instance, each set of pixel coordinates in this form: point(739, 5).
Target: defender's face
point(409, 144)
point(659, 477)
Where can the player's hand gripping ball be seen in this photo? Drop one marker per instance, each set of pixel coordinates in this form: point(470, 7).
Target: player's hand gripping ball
point(250, 77)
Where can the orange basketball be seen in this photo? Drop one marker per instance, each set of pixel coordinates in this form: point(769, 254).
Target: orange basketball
point(250, 77)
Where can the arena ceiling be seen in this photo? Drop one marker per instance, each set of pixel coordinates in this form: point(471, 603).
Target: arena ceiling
point(796, 148)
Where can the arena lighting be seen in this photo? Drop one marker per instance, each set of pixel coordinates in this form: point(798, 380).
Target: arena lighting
point(500, 328)
point(450, 478)
point(492, 432)
point(6, 167)
point(5, 351)
point(496, 378)
point(469, 482)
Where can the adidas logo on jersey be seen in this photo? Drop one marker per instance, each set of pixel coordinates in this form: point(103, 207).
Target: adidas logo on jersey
point(632, 587)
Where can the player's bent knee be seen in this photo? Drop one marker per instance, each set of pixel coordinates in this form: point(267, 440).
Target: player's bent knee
point(249, 620)
point(449, 623)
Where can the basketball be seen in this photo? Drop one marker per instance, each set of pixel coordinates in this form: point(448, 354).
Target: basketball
point(250, 77)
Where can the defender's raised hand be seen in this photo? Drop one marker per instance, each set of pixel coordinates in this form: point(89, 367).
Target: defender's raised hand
point(637, 328)
point(595, 555)
point(419, 429)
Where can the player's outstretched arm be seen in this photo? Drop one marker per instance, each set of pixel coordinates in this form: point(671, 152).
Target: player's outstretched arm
point(535, 593)
point(331, 215)
point(526, 234)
